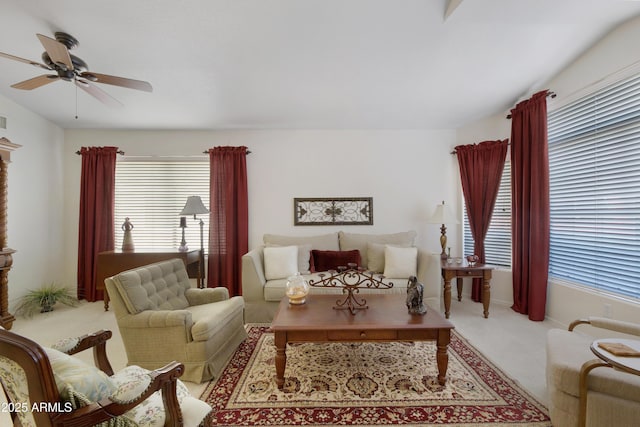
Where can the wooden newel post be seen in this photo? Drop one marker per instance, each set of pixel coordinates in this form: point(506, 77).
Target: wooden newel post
point(6, 254)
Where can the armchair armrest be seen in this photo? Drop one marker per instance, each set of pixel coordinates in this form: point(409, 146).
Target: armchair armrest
point(610, 324)
point(157, 319)
point(97, 341)
point(253, 279)
point(429, 274)
point(206, 296)
point(164, 379)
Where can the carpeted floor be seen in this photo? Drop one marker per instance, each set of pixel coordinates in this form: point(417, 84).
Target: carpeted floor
point(366, 384)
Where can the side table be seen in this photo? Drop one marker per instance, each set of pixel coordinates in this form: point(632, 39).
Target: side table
point(627, 364)
point(459, 271)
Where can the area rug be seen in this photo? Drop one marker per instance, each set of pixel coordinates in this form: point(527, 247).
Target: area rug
point(366, 384)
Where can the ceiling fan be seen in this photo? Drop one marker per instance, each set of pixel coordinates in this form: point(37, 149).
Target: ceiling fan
point(57, 58)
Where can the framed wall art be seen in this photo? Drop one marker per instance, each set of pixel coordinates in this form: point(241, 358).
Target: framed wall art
point(333, 211)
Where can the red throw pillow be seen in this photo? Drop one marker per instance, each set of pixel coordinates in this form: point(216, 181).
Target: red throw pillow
point(331, 260)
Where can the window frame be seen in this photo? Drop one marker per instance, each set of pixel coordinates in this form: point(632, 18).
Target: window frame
point(592, 237)
point(152, 191)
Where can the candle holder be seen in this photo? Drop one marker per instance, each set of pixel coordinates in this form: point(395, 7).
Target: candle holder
point(351, 279)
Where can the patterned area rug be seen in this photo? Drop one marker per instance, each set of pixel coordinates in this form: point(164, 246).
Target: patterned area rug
point(366, 384)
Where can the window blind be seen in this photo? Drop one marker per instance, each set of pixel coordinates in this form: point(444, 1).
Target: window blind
point(594, 165)
point(497, 243)
point(152, 194)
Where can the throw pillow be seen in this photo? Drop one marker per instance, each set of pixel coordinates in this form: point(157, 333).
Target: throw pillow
point(331, 260)
point(304, 257)
point(400, 262)
point(280, 262)
point(75, 377)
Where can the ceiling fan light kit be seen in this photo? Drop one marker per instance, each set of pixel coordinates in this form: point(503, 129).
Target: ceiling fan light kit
point(57, 58)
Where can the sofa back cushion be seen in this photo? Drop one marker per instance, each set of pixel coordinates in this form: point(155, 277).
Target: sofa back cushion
point(159, 286)
point(350, 241)
point(324, 242)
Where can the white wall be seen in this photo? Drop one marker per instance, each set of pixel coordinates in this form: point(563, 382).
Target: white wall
point(35, 200)
point(615, 52)
point(407, 172)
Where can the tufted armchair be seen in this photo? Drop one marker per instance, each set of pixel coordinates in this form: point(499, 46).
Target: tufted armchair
point(162, 318)
point(47, 387)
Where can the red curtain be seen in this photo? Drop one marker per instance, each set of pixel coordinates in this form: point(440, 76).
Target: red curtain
point(96, 229)
point(481, 168)
point(229, 217)
point(530, 206)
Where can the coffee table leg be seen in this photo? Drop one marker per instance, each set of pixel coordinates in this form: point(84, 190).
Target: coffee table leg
point(281, 357)
point(442, 356)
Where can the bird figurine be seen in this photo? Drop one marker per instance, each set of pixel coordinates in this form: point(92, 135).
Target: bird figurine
point(415, 291)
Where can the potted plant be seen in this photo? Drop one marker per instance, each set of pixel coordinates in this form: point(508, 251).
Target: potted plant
point(43, 299)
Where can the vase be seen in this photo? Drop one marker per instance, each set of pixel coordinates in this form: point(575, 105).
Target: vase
point(297, 289)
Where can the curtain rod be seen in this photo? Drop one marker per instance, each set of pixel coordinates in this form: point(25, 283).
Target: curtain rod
point(207, 152)
point(119, 152)
point(455, 152)
point(550, 94)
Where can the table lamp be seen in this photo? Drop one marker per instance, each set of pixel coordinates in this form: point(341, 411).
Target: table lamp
point(443, 215)
point(194, 206)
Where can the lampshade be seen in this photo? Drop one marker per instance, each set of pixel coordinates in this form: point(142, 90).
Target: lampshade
point(443, 215)
point(194, 206)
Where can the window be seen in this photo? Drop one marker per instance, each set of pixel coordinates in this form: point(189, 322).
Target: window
point(594, 162)
point(497, 243)
point(152, 194)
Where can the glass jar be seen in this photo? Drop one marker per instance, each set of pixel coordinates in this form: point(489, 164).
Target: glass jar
point(297, 289)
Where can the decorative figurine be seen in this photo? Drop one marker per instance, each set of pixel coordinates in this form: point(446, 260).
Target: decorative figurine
point(127, 241)
point(415, 291)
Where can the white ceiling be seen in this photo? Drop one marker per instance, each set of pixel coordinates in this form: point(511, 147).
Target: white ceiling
point(332, 64)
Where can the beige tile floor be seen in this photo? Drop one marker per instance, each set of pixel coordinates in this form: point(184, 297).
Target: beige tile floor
point(510, 340)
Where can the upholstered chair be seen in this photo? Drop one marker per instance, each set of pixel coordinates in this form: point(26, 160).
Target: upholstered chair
point(47, 387)
point(162, 318)
point(612, 397)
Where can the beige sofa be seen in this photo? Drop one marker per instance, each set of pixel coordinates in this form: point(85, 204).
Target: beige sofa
point(162, 318)
point(613, 397)
point(393, 255)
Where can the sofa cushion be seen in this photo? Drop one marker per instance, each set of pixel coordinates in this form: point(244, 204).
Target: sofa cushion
point(400, 261)
point(280, 261)
point(331, 260)
point(325, 242)
point(350, 241)
point(159, 286)
point(274, 290)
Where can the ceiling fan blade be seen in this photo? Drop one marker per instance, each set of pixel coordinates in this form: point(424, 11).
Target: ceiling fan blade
point(57, 51)
point(26, 61)
point(117, 81)
point(98, 93)
point(36, 82)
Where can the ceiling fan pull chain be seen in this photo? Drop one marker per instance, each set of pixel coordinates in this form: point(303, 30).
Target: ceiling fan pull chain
point(76, 86)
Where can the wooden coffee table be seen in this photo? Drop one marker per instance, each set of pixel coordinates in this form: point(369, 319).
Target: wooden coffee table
point(386, 319)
